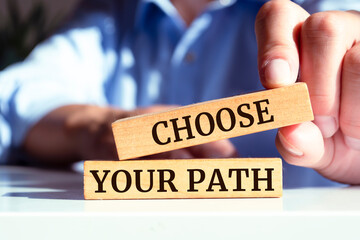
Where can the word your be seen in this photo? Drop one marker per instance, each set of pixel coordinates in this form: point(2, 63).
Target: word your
point(216, 181)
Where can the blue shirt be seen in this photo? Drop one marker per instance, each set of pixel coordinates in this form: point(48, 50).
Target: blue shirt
point(139, 54)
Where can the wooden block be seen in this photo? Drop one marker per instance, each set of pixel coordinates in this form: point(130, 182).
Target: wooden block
point(191, 178)
point(210, 121)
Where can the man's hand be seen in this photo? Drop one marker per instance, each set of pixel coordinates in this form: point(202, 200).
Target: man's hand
point(322, 50)
point(80, 132)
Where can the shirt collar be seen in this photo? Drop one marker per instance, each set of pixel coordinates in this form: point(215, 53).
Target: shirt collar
point(168, 8)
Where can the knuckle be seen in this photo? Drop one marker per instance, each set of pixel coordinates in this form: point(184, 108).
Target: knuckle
point(271, 8)
point(323, 103)
point(323, 25)
point(352, 60)
point(350, 125)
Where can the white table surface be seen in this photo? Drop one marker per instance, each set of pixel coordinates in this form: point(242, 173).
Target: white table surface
point(47, 204)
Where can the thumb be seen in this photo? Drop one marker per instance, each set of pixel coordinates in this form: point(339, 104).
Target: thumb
point(277, 28)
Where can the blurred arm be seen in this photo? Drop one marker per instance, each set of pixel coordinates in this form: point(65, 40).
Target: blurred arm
point(69, 68)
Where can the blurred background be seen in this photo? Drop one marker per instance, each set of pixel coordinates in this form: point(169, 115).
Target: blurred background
point(24, 23)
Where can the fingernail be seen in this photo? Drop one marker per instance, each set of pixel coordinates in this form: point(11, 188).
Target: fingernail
point(215, 154)
point(277, 73)
point(222, 154)
point(327, 125)
point(353, 143)
point(181, 154)
point(289, 147)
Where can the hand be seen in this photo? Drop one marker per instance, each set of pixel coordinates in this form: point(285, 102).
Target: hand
point(323, 50)
point(95, 138)
point(78, 132)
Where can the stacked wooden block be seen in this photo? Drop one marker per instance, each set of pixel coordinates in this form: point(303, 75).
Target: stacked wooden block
point(192, 125)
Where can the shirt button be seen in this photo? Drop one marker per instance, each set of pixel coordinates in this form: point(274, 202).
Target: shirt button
point(189, 57)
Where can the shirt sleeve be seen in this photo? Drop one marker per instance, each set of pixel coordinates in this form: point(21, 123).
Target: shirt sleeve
point(328, 5)
point(71, 67)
